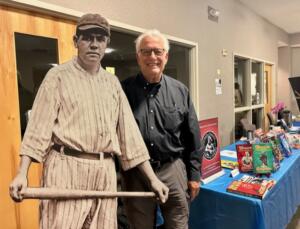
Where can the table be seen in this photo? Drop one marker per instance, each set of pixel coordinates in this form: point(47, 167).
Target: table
point(216, 208)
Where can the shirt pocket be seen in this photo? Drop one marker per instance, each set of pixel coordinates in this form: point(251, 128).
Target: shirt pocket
point(173, 117)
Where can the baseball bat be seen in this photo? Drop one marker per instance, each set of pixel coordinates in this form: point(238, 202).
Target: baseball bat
point(54, 193)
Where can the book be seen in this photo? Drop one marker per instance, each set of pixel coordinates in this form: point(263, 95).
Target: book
point(280, 156)
point(276, 152)
point(228, 153)
point(263, 158)
point(251, 186)
point(244, 156)
point(285, 147)
point(229, 164)
point(229, 159)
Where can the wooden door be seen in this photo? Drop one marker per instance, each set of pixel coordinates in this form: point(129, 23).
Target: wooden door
point(25, 214)
point(267, 93)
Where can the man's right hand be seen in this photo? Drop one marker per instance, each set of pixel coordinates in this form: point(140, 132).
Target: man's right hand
point(160, 189)
point(17, 186)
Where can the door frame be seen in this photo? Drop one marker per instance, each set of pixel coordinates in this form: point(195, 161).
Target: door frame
point(268, 83)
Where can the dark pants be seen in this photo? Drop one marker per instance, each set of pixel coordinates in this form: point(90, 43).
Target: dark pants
point(141, 212)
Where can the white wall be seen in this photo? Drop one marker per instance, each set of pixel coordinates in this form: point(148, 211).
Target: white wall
point(239, 30)
point(295, 39)
point(284, 92)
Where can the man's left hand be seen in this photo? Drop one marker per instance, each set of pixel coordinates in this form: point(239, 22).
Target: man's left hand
point(194, 188)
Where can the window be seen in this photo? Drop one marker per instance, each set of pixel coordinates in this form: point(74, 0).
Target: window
point(35, 56)
point(240, 77)
point(256, 82)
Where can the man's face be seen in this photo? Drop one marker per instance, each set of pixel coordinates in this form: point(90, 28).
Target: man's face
point(91, 48)
point(152, 57)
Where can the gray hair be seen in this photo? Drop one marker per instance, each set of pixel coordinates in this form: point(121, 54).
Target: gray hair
point(152, 33)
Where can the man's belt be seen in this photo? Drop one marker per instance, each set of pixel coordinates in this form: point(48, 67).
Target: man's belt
point(80, 154)
point(157, 164)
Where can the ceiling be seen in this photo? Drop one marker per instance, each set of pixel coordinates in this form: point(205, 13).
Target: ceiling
point(282, 13)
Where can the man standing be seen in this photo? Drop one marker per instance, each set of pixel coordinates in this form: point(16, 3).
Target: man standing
point(79, 121)
point(167, 120)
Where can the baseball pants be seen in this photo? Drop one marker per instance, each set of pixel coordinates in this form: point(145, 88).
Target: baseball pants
point(69, 172)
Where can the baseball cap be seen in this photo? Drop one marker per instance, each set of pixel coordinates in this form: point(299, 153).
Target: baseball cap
point(93, 22)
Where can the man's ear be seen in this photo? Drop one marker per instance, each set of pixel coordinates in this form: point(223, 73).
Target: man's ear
point(75, 39)
point(167, 56)
point(108, 41)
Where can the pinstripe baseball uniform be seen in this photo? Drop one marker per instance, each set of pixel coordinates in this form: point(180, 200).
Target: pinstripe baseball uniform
point(88, 113)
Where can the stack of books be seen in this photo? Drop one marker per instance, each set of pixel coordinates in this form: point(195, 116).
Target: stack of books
point(252, 186)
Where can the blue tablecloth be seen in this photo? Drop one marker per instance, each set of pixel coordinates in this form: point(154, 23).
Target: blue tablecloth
point(216, 208)
point(296, 123)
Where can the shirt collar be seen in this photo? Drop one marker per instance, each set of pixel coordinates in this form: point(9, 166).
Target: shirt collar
point(144, 83)
point(77, 65)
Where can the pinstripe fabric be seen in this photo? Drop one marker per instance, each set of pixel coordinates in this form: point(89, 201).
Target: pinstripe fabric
point(89, 113)
point(74, 173)
point(85, 112)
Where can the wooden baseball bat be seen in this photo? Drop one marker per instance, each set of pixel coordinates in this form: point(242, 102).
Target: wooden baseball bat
point(54, 193)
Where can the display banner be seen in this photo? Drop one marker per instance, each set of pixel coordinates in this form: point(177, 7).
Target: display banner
point(211, 160)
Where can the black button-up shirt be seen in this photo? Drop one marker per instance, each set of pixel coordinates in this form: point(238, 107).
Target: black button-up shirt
point(167, 120)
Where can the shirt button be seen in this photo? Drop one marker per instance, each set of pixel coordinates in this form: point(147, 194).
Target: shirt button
point(151, 95)
point(151, 127)
point(151, 144)
point(145, 88)
point(151, 111)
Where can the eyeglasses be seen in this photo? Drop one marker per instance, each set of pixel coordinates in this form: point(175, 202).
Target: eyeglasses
point(148, 52)
point(91, 37)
